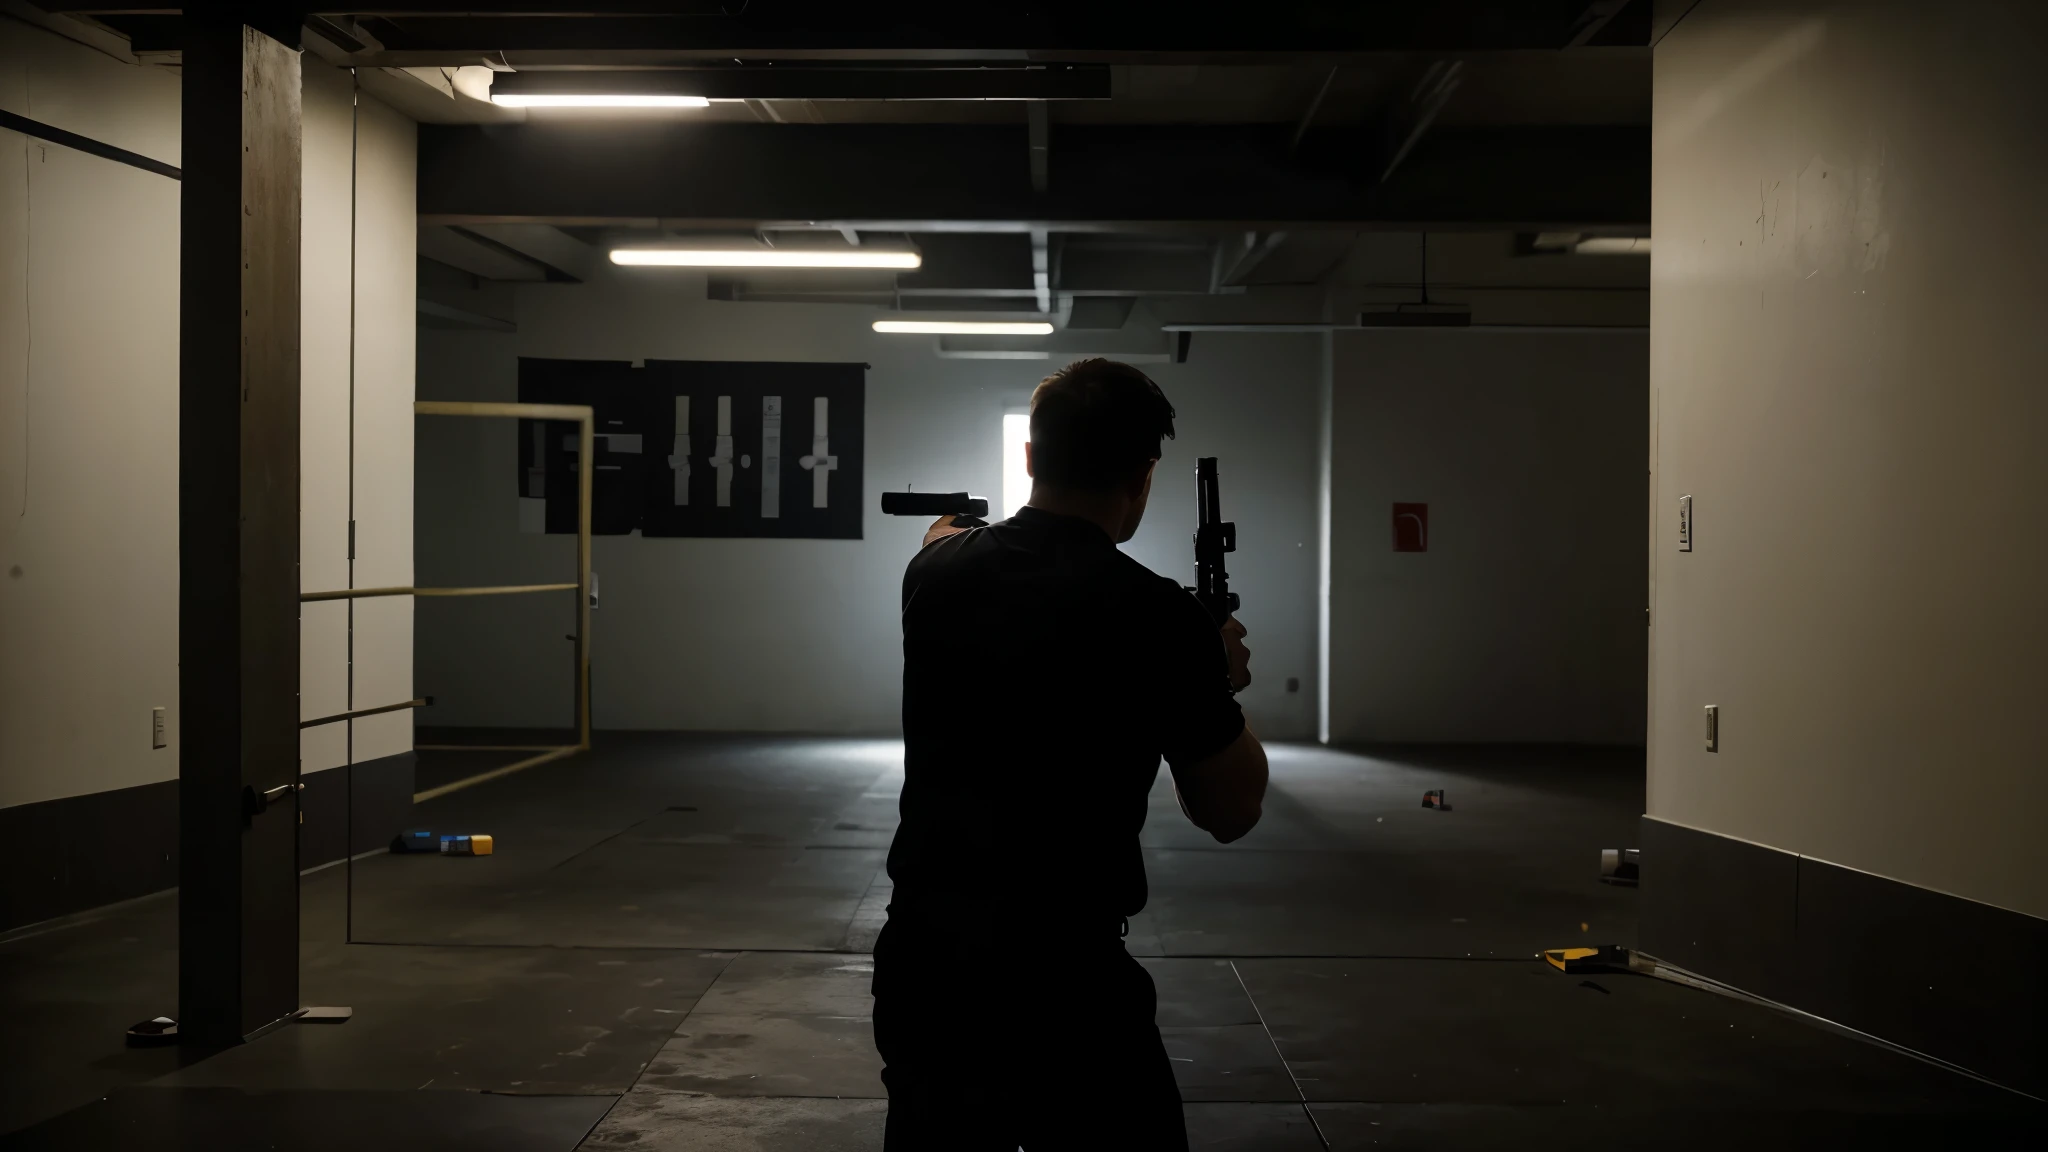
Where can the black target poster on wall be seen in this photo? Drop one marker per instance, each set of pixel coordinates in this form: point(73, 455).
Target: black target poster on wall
point(698, 447)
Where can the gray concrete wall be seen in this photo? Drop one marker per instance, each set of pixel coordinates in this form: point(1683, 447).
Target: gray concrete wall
point(1847, 363)
point(794, 635)
point(1523, 621)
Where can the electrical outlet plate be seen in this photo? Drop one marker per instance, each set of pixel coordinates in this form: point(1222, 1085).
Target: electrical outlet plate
point(1713, 741)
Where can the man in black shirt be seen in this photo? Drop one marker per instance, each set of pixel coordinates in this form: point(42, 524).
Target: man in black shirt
point(1045, 675)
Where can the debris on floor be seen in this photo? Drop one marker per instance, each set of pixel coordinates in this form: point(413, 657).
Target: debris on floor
point(446, 843)
point(159, 1032)
point(1604, 958)
point(1434, 798)
point(1621, 866)
point(416, 840)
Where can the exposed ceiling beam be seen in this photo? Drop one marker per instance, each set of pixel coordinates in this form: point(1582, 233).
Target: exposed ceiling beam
point(1040, 120)
point(438, 315)
point(457, 249)
point(1238, 255)
point(1410, 117)
point(1308, 115)
point(1117, 268)
point(1595, 19)
point(977, 262)
point(1664, 16)
point(950, 177)
point(1041, 268)
point(562, 255)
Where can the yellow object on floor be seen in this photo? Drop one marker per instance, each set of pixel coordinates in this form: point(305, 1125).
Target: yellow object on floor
point(1605, 958)
point(465, 845)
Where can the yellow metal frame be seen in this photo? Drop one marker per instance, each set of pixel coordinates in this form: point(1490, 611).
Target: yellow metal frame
point(586, 438)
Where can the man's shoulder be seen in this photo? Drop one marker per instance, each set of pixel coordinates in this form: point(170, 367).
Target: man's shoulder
point(948, 554)
point(1144, 586)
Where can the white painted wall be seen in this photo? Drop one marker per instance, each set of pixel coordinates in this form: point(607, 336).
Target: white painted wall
point(88, 423)
point(1523, 622)
point(792, 635)
point(325, 120)
point(89, 418)
point(1848, 357)
point(368, 335)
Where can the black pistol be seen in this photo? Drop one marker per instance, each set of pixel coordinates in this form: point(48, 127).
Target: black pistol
point(1213, 537)
point(966, 511)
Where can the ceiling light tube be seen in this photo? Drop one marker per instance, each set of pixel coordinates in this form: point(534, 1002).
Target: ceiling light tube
point(563, 100)
point(764, 258)
point(1613, 246)
point(965, 327)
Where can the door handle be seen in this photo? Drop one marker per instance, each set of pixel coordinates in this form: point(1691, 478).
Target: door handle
point(255, 803)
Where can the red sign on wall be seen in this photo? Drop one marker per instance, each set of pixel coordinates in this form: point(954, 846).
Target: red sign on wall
point(1411, 527)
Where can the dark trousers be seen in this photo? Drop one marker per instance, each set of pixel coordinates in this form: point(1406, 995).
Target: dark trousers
point(1041, 1046)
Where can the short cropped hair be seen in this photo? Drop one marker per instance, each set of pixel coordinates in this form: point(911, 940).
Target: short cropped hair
point(1095, 424)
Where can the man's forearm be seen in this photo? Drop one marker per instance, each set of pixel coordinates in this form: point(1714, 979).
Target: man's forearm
point(1224, 795)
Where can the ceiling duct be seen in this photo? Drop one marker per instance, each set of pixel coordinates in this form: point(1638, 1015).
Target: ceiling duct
point(1100, 312)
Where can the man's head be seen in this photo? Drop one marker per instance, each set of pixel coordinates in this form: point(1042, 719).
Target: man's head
point(1096, 427)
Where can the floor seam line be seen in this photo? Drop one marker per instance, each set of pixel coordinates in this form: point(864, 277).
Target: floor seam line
point(1281, 1056)
point(642, 1073)
point(588, 848)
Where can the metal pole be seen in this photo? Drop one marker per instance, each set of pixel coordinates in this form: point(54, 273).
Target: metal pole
point(484, 590)
point(358, 713)
point(586, 472)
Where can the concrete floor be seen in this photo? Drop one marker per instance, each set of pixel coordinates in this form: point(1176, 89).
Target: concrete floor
point(668, 951)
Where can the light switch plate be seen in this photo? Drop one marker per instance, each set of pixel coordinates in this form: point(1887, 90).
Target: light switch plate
point(157, 736)
point(1685, 523)
point(1713, 740)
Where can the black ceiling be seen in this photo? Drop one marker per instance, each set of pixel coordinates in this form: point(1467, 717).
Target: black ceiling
point(1100, 32)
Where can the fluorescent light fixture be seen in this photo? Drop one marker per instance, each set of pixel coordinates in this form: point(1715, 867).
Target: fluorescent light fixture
point(563, 100)
point(1613, 246)
point(1016, 478)
point(965, 327)
point(764, 258)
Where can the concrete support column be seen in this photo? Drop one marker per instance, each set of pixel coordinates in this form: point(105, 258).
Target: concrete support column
point(238, 533)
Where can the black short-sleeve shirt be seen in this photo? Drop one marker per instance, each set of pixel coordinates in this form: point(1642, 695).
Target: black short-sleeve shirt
point(1045, 674)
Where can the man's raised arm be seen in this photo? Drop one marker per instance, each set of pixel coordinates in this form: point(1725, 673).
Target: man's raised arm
point(1222, 793)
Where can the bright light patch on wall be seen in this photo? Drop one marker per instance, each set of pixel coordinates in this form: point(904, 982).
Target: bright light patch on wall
point(564, 100)
point(764, 258)
point(966, 327)
point(1016, 480)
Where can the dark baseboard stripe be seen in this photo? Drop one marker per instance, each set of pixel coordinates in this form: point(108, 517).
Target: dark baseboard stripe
point(87, 145)
point(1958, 980)
point(78, 852)
point(383, 804)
